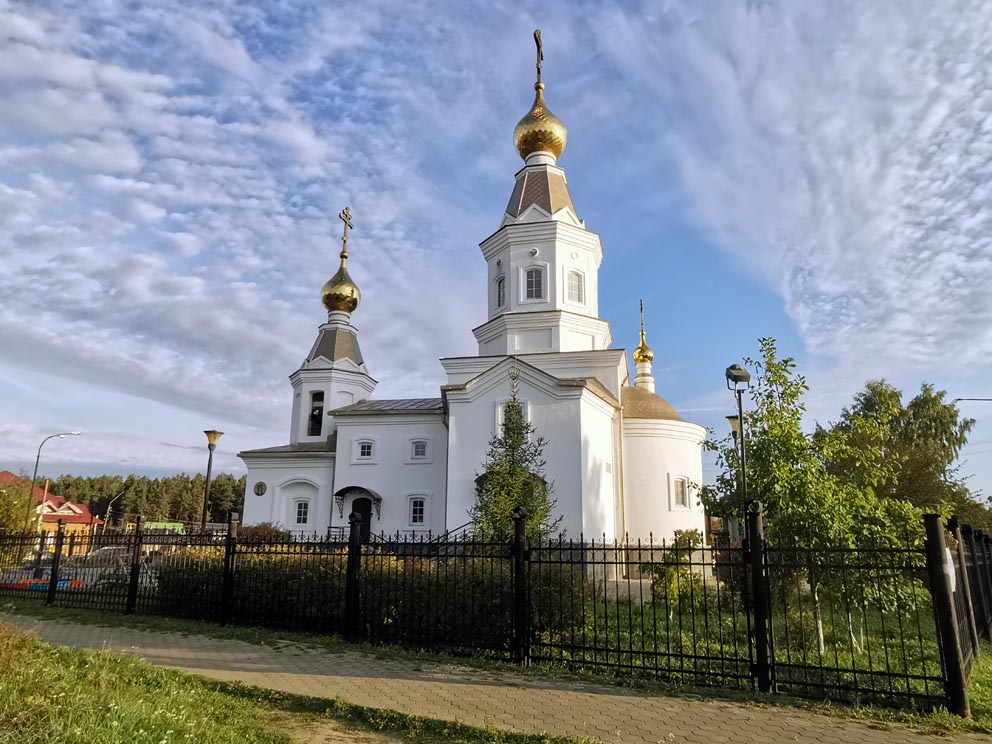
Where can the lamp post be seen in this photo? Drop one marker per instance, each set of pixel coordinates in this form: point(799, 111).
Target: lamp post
point(37, 459)
point(212, 436)
point(738, 379)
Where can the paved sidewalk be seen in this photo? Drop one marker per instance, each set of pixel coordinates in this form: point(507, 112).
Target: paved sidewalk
point(481, 698)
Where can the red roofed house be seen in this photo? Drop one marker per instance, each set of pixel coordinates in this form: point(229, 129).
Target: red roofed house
point(51, 508)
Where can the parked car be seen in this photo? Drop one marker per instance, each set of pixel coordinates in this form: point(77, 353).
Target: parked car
point(114, 555)
point(31, 560)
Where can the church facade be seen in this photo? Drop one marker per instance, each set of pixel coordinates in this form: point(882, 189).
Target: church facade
point(623, 461)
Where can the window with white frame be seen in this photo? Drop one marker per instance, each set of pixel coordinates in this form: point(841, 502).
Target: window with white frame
point(680, 493)
point(501, 412)
point(575, 286)
point(418, 511)
point(418, 449)
point(366, 449)
point(501, 291)
point(302, 512)
point(534, 284)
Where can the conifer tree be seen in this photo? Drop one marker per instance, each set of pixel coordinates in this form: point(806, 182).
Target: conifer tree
point(514, 476)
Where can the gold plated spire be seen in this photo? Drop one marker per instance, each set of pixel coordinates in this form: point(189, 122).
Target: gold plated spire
point(540, 130)
point(340, 292)
point(643, 352)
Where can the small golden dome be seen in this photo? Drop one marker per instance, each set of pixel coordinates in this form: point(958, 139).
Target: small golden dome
point(643, 352)
point(340, 292)
point(540, 130)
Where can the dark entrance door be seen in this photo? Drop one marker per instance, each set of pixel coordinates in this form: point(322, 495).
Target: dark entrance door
point(363, 506)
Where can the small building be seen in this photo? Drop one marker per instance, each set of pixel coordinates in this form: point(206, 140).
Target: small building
point(50, 509)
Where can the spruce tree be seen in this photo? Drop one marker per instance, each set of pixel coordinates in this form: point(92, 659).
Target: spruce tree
point(514, 477)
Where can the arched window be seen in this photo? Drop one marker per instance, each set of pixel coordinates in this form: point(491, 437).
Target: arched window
point(418, 449)
point(316, 421)
point(534, 284)
point(575, 284)
point(501, 291)
point(302, 512)
point(418, 511)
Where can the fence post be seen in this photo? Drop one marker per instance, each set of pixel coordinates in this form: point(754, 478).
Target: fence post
point(939, 573)
point(72, 544)
point(521, 610)
point(955, 528)
point(230, 553)
point(132, 584)
point(761, 600)
point(976, 581)
point(352, 572)
point(53, 578)
point(985, 545)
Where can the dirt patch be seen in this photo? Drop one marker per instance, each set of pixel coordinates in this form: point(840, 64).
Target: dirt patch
point(305, 730)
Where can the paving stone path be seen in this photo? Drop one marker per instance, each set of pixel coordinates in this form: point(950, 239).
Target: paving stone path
point(522, 703)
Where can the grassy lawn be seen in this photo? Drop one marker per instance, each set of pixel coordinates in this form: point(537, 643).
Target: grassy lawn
point(980, 689)
point(51, 694)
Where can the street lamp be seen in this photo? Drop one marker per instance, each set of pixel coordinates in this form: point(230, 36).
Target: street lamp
point(985, 399)
point(738, 379)
point(212, 436)
point(37, 459)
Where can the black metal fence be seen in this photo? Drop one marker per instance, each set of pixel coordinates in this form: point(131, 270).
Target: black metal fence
point(894, 624)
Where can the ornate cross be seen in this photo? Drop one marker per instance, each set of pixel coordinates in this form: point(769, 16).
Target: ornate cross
point(345, 217)
point(540, 52)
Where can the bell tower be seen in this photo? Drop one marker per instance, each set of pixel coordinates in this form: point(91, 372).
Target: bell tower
point(333, 374)
point(543, 264)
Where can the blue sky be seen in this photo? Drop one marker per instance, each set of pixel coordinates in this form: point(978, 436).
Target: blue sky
point(170, 176)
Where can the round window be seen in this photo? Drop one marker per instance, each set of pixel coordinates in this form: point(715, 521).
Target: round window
point(260, 488)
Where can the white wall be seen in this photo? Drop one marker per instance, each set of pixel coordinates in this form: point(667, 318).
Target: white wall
point(286, 480)
point(654, 453)
point(472, 417)
point(599, 471)
point(392, 473)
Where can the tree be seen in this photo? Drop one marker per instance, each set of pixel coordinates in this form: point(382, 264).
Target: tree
point(807, 505)
point(14, 504)
point(904, 452)
point(513, 477)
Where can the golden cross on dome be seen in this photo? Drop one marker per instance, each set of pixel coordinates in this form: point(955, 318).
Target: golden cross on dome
point(345, 217)
point(540, 52)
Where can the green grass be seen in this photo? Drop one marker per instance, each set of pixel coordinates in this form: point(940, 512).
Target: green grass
point(50, 694)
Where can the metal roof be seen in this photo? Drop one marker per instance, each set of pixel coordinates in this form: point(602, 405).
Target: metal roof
point(399, 405)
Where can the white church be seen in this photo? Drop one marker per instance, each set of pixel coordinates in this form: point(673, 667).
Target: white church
point(623, 461)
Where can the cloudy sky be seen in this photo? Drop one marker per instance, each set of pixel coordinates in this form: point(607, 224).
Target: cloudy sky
point(170, 176)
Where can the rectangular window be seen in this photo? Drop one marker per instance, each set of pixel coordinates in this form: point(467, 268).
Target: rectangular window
point(417, 509)
point(535, 284)
point(419, 450)
point(316, 422)
point(302, 511)
point(576, 292)
point(681, 496)
point(500, 292)
point(365, 450)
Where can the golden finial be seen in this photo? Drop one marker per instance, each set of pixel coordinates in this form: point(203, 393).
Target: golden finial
point(643, 352)
point(540, 130)
point(340, 292)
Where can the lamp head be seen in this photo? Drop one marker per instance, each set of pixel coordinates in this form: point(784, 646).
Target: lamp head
point(735, 425)
point(212, 436)
point(737, 375)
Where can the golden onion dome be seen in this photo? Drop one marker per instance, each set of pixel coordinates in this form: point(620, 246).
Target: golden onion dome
point(540, 130)
point(340, 292)
point(643, 352)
